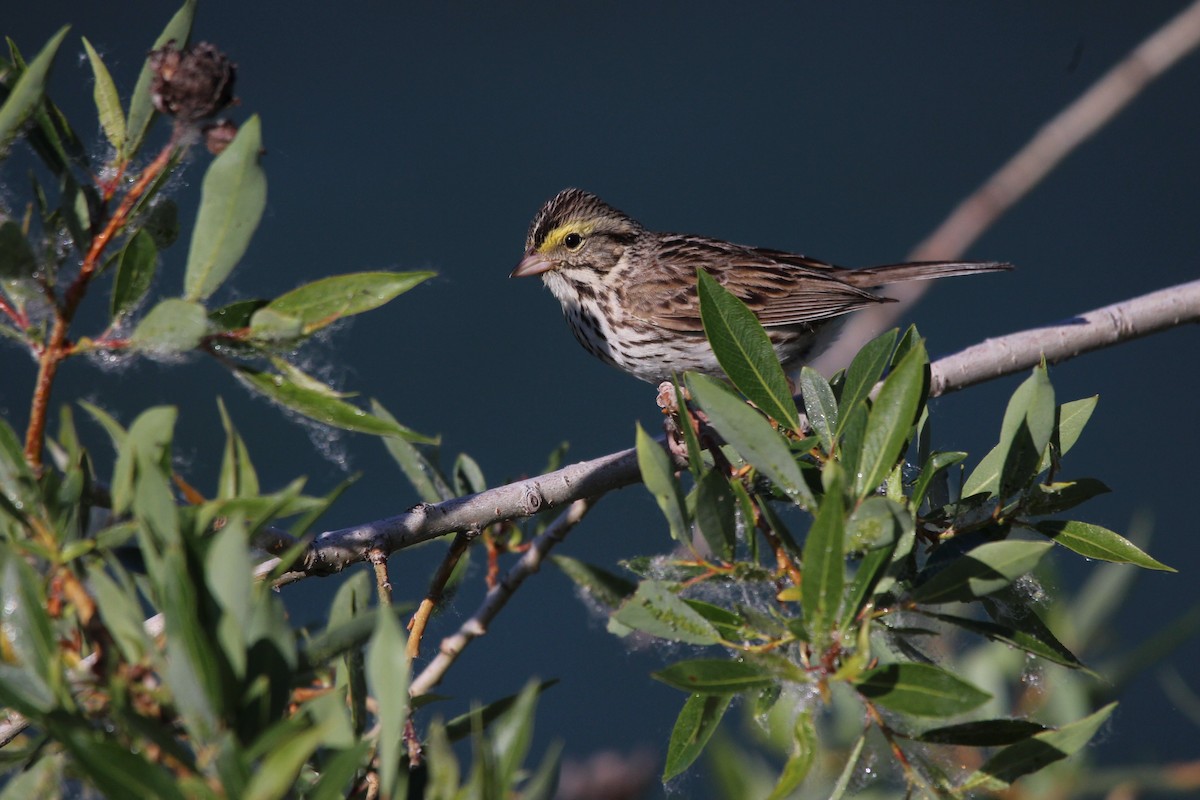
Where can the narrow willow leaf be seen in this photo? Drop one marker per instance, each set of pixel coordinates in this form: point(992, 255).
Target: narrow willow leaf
point(1093, 541)
point(27, 93)
point(983, 733)
point(17, 259)
point(135, 272)
point(468, 475)
point(715, 676)
point(795, 769)
point(921, 690)
point(985, 569)
point(604, 587)
point(108, 102)
point(853, 420)
point(744, 351)
point(656, 610)
point(232, 198)
point(695, 455)
point(114, 769)
point(425, 477)
point(1024, 434)
point(849, 771)
point(173, 326)
point(819, 405)
point(19, 494)
point(1044, 748)
point(934, 465)
point(1072, 418)
point(1044, 644)
point(323, 302)
point(715, 517)
point(481, 718)
point(867, 576)
point(891, 420)
point(751, 435)
point(387, 672)
point(695, 725)
point(659, 477)
point(864, 372)
point(322, 407)
point(824, 559)
point(1057, 497)
point(141, 107)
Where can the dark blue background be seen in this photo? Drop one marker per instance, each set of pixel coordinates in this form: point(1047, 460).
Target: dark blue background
point(413, 138)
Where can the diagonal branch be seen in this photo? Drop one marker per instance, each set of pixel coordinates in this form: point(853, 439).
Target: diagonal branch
point(1049, 146)
point(333, 551)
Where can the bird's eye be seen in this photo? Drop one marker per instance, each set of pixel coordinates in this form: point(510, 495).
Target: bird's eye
point(572, 241)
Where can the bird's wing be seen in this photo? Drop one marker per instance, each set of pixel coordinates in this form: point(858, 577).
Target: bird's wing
point(780, 288)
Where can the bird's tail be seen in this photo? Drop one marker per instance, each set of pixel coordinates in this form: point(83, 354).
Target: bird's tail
point(919, 271)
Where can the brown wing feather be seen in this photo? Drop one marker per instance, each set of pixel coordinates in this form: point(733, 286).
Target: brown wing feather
point(780, 288)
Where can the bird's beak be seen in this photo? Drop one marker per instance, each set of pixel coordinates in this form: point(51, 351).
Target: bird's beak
point(532, 264)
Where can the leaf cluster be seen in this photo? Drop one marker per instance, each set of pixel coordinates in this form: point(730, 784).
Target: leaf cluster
point(895, 554)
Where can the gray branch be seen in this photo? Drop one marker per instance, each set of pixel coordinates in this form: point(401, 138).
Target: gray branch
point(333, 551)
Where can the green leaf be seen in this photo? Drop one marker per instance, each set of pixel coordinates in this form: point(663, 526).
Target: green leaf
point(921, 690)
point(659, 476)
point(864, 372)
point(656, 610)
point(819, 405)
point(232, 198)
point(850, 770)
point(323, 302)
point(1032, 637)
point(113, 768)
point(1072, 418)
point(796, 768)
point(695, 455)
point(135, 272)
point(27, 93)
point(985, 569)
point(751, 435)
point(1024, 435)
point(877, 522)
point(604, 587)
point(1093, 541)
point(1042, 749)
point(824, 559)
point(468, 476)
point(715, 514)
point(697, 722)
point(108, 102)
point(982, 733)
point(121, 612)
point(1057, 497)
point(17, 260)
point(481, 717)
point(420, 471)
point(173, 326)
point(867, 576)
point(387, 671)
point(320, 406)
point(141, 108)
point(891, 420)
point(19, 493)
point(934, 465)
point(744, 351)
point(715, 676)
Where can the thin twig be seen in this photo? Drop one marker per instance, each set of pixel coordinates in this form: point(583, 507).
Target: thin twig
point(416, 626)
point(1049, 146)
point(495, 600)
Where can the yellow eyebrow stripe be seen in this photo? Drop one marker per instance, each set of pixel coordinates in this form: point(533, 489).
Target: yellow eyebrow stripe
point(554, 238)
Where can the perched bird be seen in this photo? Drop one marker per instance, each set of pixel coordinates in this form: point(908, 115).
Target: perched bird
point(629, 294)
